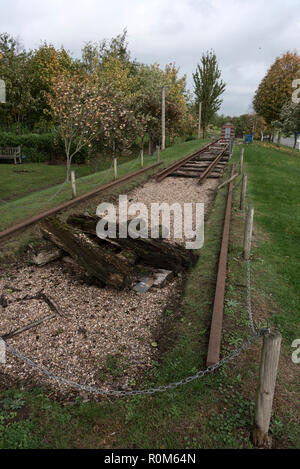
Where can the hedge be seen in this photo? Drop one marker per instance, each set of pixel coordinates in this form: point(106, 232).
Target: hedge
point(39, 147)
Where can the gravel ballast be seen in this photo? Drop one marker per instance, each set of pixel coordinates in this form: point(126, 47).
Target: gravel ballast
point(107, 338)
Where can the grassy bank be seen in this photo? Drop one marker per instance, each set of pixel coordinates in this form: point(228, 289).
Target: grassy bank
point(38, 201)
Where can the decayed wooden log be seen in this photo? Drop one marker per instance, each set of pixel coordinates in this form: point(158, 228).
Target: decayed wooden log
point(98, 261)
point(45, 254)
point(154, 252)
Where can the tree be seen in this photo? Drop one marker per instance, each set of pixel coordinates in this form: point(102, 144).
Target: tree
point(15, 71)
point(290, 120)
point(75, 107)
point(208, 87)
point(46, 63)
point(149, 81)
point(95, 54)
point(275, 89)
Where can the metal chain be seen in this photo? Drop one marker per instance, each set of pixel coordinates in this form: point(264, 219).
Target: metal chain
point(249, 297)
point(12, 204)
point(95, 390)
point(200, 374)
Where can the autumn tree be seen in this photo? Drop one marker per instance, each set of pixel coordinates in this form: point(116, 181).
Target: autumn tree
point(150, 80)
point(208, 87)
point(290, 120)
point(15, 71)
point(275, 89)
point(46, 63)
point(75, 106)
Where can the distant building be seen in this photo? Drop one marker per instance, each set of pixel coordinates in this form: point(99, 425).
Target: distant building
point(228, 131)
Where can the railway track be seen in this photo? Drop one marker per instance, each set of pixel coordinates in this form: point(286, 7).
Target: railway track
point(208, 162)
point(65, 205)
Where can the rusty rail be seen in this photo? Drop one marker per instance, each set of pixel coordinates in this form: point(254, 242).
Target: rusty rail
point(213, 164)
point(69, 203)
point(174, 166)
point(214, 346)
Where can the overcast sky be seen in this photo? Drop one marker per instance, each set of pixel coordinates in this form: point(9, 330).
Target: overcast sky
point(247, 35)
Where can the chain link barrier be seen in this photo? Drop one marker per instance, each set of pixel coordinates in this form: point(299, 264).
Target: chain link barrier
point(123, 393)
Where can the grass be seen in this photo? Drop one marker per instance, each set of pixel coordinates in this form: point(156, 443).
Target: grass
point(273, 189)
point(38, 201)
point(18, 180)
point(215, 411)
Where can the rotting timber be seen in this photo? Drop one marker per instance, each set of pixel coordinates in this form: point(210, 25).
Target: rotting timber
point(110, 260)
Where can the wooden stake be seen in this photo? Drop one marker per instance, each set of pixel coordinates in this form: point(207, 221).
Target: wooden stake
point(158, 153)
point(73, 181)
point(142, 158)
point(242, 161)
point(116, 168)
point(163, 119)
point(243, 192)
point(228, 181)
point(248, 233)
point(266, 388)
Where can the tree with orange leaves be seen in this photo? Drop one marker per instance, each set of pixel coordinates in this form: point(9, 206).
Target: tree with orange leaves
point(275, 89)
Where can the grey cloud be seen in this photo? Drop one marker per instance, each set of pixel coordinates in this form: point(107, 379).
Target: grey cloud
point(247, 35)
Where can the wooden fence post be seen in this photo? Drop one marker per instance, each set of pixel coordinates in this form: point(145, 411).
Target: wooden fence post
point(248, 233)
point(243, 192)
point(266, 387)
point(158, 153)
point(116, 168)
point(242, 161)
point(73, 181)
point(142, 158)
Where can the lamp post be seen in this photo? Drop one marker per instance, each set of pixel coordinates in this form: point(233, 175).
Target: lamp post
point(163, 119)
point(199, 120)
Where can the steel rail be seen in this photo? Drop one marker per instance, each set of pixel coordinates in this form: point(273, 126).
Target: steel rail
point(31, 221)
point(174, 166)
point(214, 346)
point(213, 164)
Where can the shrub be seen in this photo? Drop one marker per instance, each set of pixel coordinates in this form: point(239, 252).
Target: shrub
point(39, 147)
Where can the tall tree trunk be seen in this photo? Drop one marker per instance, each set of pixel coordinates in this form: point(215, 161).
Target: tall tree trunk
point(279, 138)
point(295, 143)
point(68, 168)
point(151, 143)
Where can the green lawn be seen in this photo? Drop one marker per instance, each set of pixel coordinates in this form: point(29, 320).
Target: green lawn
point(17, 180)
point(40, 200)
point(215, 411)
point(274, 191)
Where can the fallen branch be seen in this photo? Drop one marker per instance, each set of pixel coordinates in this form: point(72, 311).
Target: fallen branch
point(228, 181)
point(29, 326)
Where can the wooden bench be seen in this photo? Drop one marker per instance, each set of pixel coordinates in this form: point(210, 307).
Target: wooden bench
point(11, 153)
